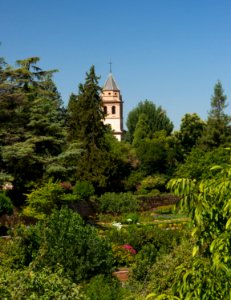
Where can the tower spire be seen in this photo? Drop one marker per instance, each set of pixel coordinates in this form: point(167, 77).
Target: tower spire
point(110, 63)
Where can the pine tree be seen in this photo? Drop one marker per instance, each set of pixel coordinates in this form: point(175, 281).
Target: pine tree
point(217, 131)
point(31, 125)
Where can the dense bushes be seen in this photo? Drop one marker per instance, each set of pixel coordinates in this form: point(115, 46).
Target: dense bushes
point(44, 284)
point(6, 206)
point(101, 287)
point(117, 203)
point(68, 242)
point(43, 200)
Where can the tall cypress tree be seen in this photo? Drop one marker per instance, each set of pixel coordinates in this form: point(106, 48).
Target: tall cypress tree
point(85, 124)
point(86, 113)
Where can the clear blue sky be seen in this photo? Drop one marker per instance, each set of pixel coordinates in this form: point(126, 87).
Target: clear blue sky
point(169, 51)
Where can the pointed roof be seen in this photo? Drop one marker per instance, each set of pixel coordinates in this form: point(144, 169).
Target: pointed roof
point(110, 84)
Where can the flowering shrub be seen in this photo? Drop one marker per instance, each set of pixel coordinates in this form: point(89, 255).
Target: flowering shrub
point(123, 254)
point(7, 186)
point(129, 248)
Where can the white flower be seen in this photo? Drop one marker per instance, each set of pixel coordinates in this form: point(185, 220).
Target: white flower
point(117, 225)
point(7, 186)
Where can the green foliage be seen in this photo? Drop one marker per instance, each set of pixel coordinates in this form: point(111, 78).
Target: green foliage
point(85, 113)
point(167, 209)
point(75, 246)
point(209, 204)
point(22, 248)
point(45, 284)
point(162, 274)
point(43, 200)
point(198, 163)
point(145, 258)
point(117, 203)
point(155, 120)
point(130, 218)
point(163, 240)
point(155, 182)
point(191, 130)
point(123, 255)
point(102, 162)
point(101, 287)
point(158, 154)
point(63, 166)
point(133, 181)
point(31, 125)
point(217, 131)
point(83, 190)
point(6, 206)
point(142, 130)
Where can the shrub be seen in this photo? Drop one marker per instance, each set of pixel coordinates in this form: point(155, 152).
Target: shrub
point(118, 203)
point(163, 240)
point(123, 254)
point(155, 182)
point(163, 273)
point(166, 209)
point(83, 190)
point(143, 261)
point(43, 200)
point(6, 206)
point(101, 287)
point(22, 249)
point(77, 247)
point(130, 218)
point(43, 285)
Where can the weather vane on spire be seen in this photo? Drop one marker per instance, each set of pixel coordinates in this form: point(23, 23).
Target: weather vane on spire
point(110, 63)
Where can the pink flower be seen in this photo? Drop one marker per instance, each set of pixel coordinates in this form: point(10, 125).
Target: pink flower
point(129, 248)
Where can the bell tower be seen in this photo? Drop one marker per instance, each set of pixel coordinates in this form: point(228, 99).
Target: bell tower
point(113, 106)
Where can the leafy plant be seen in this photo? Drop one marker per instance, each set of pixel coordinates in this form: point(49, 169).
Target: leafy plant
point(45, 284)
point(43, 200)
point(208, 202)
point(103, 287)
point(6, 206)
point(23, 248)
point(143, 261)
point(68, 242)
point(131, 218)
point(123, 254)
point(83, 190)
point(118, 203)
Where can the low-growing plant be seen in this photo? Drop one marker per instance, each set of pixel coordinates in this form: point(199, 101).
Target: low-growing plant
point(118, 203)
point(103, 287)
point(145, 258)
point(83, 190)
point(6, 206)
point(167, 209)
point(41, 201)
point(130, 218)
point(44, 284)
point(123, 254)
point(23, 247)
point(138, 236)
point(152, 183)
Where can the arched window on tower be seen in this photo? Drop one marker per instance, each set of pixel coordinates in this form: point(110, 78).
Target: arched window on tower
point(105, 110)
point(113, 110)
